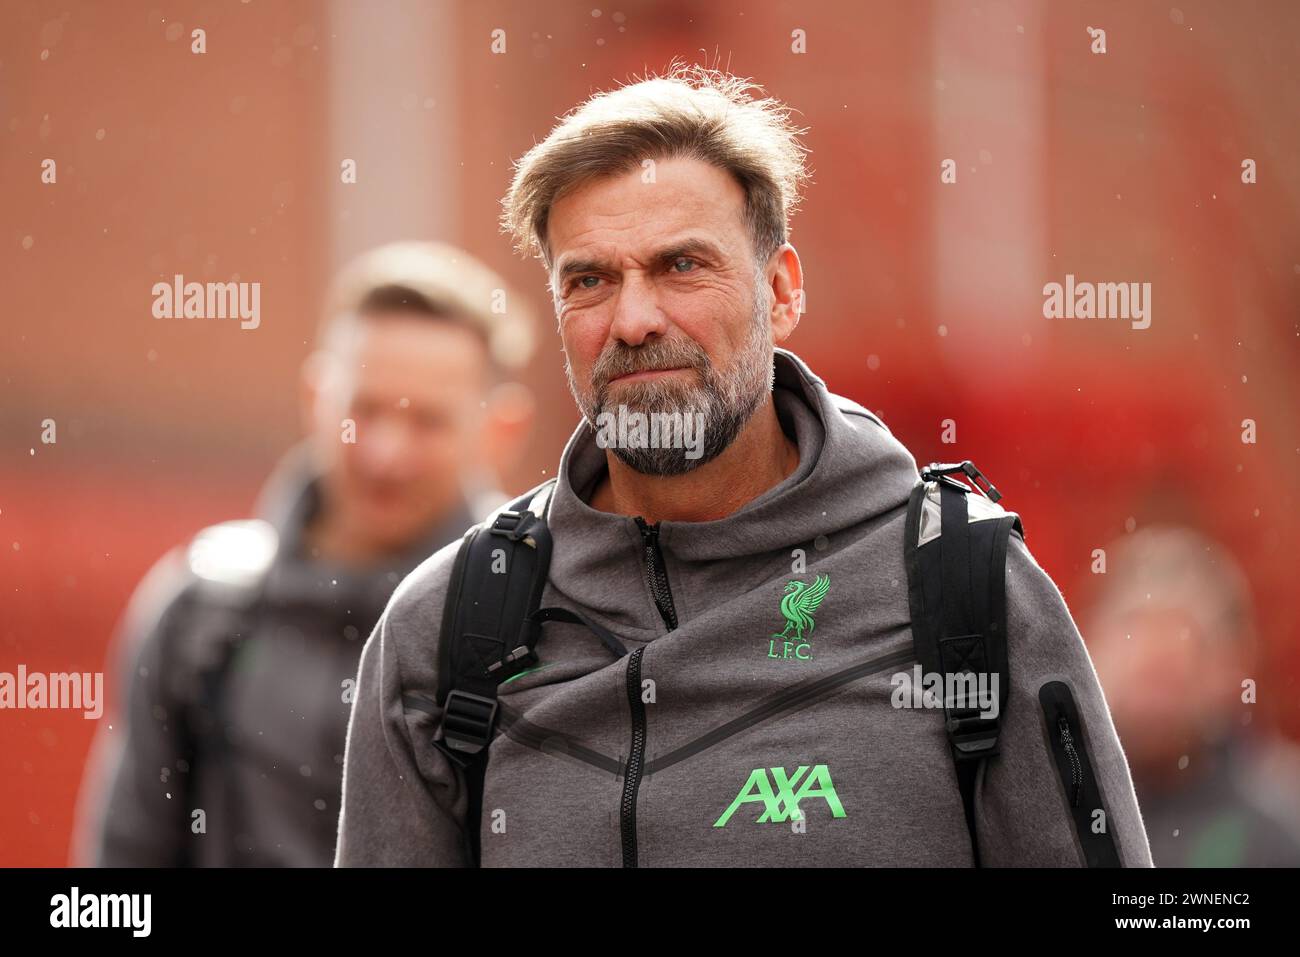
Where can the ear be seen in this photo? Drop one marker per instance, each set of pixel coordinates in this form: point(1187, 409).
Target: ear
point(511, 411)
point(785, 274)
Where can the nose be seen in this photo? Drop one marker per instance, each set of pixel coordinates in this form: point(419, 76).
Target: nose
point(636, 312)
point(382, 447)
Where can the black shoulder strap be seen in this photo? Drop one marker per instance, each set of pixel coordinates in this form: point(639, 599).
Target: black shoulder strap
point(496, 584)
point(491, 623)
point(956, 569)
point(489, 632)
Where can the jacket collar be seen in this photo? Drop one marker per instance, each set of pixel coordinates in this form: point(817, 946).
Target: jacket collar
point(851, 469)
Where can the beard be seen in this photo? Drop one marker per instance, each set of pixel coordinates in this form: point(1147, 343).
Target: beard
point(721, 400)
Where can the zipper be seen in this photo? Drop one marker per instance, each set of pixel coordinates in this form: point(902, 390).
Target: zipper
point(802, 695)
point(635, 759)
point(805, 694)
point(1081, 791)
point(1076, 769)
point(656, 574)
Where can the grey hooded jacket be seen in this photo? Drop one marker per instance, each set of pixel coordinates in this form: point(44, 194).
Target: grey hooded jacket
point(239, 656)
point(700, 747)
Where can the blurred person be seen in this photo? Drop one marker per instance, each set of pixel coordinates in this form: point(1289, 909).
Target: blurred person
point(660, 720)
point(1171, 631)
point(240, 652)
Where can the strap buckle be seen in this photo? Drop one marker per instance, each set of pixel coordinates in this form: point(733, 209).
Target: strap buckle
point(468, 721)
point(512, 525)
point(936, 470)
point(972, 736)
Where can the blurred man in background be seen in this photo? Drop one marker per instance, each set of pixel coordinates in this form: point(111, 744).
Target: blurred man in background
point(1172, 637)
point(241, 651)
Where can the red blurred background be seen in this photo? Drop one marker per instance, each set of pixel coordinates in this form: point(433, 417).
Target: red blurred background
point(924, 299)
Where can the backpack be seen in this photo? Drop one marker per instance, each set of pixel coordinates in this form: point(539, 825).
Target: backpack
point(955, 546)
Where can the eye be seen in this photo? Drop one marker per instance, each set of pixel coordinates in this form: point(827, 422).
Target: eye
point(684, 264)
point(589, 282)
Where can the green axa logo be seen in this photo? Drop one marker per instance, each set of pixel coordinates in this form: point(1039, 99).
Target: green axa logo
point(798, 604)
point(782, 803)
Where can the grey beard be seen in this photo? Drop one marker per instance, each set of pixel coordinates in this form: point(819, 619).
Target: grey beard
point(726, 400)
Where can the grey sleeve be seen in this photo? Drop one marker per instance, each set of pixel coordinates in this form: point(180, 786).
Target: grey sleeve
point(404, 802)
point(1023, 816)
point(134, 805)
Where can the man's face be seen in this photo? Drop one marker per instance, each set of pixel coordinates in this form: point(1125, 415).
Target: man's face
point(662, 307)
point(414, 386)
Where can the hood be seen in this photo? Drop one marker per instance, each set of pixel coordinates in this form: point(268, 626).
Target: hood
point(851, 471)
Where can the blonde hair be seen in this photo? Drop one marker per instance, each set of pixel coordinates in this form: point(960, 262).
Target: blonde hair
point(434, 279)
point(690, 112)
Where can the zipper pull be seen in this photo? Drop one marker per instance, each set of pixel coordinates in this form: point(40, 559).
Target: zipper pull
point(655, 574)
point(1067, 739)
point(650, 544)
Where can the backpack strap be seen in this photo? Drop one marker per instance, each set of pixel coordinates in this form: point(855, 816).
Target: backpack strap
point(955, 548)
point(496, 583)
point(491, 623)
point(489, 632)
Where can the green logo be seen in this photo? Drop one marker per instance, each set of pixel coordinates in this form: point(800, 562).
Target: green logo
point(783, 804)
point(797, 605)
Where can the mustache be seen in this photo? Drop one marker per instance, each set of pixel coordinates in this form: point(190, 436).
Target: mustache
point(621, 359)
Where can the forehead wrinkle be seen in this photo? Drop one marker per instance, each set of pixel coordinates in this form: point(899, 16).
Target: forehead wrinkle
point(688, 192)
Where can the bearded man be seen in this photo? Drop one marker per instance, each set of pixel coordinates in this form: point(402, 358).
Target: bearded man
point(666, 717)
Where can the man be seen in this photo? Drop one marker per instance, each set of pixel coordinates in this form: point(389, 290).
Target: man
point(242, 653)
point(660, 212)
point(1173, 636)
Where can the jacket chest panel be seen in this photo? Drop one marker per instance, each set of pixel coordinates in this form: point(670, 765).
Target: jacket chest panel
point(822, 772)
point(287, 698)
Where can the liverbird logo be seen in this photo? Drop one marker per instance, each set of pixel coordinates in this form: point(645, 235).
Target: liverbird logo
point(798, 604)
